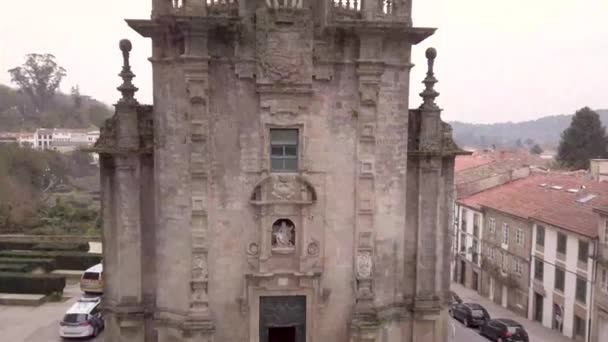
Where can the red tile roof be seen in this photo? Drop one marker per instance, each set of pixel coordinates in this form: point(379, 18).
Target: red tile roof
point(479, 158)
point(563, 200)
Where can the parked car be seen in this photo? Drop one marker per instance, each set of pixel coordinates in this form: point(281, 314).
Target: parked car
point(92, 280)
point(504, 330)
point(453, 298)
point(470, 314)
point(83, 319)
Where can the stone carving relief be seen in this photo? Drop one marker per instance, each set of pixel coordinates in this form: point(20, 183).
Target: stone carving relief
point(284, 53)
point(253, 249)
point(283, 235)
point(283, 189)
point(313, 248)
point(199, 267)
point(364, 264)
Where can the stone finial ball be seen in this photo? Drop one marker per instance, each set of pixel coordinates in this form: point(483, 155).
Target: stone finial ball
point(431, 53)
point(125, 45)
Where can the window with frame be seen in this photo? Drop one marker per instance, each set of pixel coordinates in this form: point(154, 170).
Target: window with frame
point(538, 269)
point(562, 240)
point(579, 326)
point(475, 255)
point(463, 218)
point(560, 279)
point(519, 237)
point(476, 224)
point(606, 232)
point(581, 290)
point(492, 254)
point(492, 224)
point(605, 280)
point(505, 262)
point(505, 234)
point(583, 251)
point(540, 236)
point(284, 150)
point(518, 267)
point(463, 242)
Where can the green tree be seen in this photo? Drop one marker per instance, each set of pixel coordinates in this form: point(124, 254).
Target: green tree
point(536, 149)
point(39, 77)
point(585, 139)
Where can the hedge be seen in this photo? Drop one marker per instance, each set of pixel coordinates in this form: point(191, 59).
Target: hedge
point(48, 264)
point(11, 282)
point(15, 267)
point(46, 246)
point(63, 260)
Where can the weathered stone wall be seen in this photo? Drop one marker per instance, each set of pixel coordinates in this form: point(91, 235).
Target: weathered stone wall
point(370, 203)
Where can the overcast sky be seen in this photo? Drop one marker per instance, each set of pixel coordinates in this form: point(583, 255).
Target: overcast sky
point(497, 60)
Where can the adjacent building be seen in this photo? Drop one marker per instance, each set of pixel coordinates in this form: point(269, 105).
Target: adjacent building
point(475, 173)
point(504, 266)
point(56, 139)
point(599, 314)
point(564, 244)
point(543, 250)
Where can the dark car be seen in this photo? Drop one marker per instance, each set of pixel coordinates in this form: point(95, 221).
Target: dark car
point(454, 299)
point(470, 314)
point(504, 330)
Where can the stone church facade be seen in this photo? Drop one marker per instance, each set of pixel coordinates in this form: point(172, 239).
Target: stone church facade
point(279, 189)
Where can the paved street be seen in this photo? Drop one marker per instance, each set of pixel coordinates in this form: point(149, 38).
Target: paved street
point(37, 324)
point(535, 330)
point(459, 333)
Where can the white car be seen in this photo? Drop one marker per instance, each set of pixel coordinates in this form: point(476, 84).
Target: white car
point(83, 319)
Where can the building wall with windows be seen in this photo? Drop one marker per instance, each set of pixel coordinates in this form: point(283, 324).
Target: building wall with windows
point(599, 317)
point(562, 273)
point(468, 237)
point(506, 246)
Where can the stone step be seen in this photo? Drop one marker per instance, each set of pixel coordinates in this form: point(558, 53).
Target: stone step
point(22, 299)
point(71, 276)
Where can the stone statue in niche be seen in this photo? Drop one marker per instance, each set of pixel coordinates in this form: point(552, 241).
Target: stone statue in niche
point(283, 235)
point(364, 264)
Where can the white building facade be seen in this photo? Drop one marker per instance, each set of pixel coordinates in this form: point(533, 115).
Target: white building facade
point(469, 228)
point(562, 274)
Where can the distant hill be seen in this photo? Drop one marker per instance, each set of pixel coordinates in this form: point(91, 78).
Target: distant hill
point(545, 131)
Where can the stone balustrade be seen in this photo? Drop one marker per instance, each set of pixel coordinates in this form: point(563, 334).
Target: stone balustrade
point(340, 9)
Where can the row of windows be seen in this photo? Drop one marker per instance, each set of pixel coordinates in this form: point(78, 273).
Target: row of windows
point(560, 280)
point(562, 244)
point(517, 264)
point(519, 233)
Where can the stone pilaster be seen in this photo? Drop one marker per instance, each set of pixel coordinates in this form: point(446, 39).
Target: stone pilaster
point(199, 326)
point(369, 71)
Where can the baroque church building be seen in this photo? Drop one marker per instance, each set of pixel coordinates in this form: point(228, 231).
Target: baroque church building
point(279, 189)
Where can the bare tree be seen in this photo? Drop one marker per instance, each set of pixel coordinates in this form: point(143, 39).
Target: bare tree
point(39, 77)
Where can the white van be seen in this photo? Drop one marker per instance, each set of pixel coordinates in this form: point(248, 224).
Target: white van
point(92, 280)
point(83, 319)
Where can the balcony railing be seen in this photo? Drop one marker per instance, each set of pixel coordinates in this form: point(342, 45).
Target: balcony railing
point(283, 4)
point(213, 7)
point(347, 8)
point(353, 9)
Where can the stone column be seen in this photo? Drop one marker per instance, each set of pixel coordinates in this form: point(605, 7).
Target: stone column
point(431, 155)
point(125, 298)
